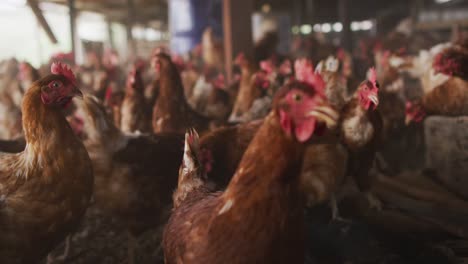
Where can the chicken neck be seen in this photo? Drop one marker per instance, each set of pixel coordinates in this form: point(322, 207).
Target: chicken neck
point(171, 98)
point(270, 168)
point(46, 131)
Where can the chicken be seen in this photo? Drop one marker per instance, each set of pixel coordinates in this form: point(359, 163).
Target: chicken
point(134, 174)
point(171, 112)
point(391, 95)
point(414, 112)
point(447, 99)
point(28, 75)
point(10, 119)
point(135, 114)
point(45, 189)
point(335, 83)
point(439, 70)
point(11, 95)
point(324, 165)
point(247, 91)
point(254, 101)
point(361, 130)
point(224, 147)
point(218, 101)
point(212, 50)
point(266, 46)
point(259, 217)
point(453, 61)
point(113, 101)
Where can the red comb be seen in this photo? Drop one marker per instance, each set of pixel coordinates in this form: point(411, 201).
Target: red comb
point(340, 54)
point(108, 93)
point(139, 65)
point(305, 73)
point(160, 50)
point(373, 76)
point(285, 67)
point(267, 66)
point(219, 82)
point(62, 69)
point(239, 59)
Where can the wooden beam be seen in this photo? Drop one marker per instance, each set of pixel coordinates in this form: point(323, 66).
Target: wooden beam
point(346, 37)
point(42, 21)
point(110, 33)
point(227, 41)
point(129, 26)
point(237, 32)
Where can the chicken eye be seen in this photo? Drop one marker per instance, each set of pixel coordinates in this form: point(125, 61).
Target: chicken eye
point(56, 84)
point(297, 97)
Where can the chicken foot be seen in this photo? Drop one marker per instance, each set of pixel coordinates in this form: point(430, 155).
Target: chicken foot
point(132, 244)
point(64, 256)
point(335, 210)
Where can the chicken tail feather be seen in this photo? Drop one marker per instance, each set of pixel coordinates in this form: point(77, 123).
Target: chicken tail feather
point(191, 170)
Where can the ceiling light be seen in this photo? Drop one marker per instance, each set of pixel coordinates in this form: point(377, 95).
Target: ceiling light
point(306, 29)
point(326, 27)
point(355, 26)
point(266, 8)
point(366, 25)
point(295, 30)
point(317, 28)
point(337, 27)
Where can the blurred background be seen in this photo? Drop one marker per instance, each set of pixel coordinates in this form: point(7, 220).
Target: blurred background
point(35, 30)
point(230, 57)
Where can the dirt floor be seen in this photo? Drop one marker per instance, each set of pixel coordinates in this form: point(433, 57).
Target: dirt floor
point(392, 235)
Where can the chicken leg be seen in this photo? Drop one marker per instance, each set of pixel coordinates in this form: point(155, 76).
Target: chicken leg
point(64, 256)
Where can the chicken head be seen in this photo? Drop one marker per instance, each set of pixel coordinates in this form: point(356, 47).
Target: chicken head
point(414, 112)
point(368, 91)
point(60, 87)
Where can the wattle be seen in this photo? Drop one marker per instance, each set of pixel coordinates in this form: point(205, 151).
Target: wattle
point(305, 129)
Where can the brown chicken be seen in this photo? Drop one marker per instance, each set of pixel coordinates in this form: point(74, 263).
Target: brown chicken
point(136, 114)
point(448, 99)
point(46, 189)
point(28, 75)
point(10, 119)
point(335, 89)
point(212, 50)
point(441, 72)
point(361, 129)
point(247, 91)
point(259, 217)
point(171, 112)
point(223, 149)
point(113, 101)
point(453, 61)
point(134, 175)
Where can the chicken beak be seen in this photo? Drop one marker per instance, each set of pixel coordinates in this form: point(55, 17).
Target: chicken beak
point(374, 99)
point(326, 114)
point(76, 92)
point(407, 120)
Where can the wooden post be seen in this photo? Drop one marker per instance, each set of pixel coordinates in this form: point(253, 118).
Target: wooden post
point(110, 33)
point(415, 9)
point(227, 24)
point(297, 12)
point(310, 11)
point(72, 11)
point(42, 21)
point(130, 23)
point(237, 25)
point(346, 37)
